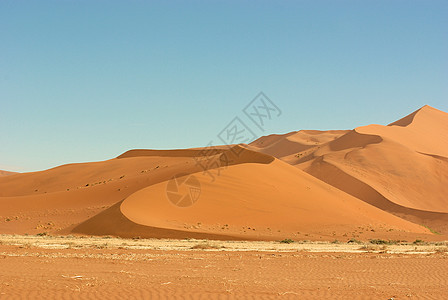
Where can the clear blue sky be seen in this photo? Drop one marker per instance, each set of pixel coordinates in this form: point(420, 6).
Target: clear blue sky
point(88, 80)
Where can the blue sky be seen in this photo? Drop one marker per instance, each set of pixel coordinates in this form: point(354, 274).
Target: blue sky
point(88, 80)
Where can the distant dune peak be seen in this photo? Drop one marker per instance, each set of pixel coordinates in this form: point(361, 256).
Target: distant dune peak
point(424, 110)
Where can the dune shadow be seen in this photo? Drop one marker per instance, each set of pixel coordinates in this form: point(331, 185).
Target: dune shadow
point(113, 222)
point(354, 139)
point(339, 179)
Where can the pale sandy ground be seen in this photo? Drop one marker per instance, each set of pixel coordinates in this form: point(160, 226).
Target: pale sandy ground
point(112, 268)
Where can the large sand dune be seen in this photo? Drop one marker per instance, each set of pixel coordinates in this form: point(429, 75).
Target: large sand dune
point(257, 198)
point(370, 182)
point(401, 168)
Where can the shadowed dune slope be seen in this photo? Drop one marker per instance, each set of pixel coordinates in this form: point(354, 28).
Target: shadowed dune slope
point(401, 168)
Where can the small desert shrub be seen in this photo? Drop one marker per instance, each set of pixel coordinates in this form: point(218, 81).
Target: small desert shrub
point(418, 242)
point(384, 242)
point(287, 241)
point(378, 242)
point(354, 241)
point(393, 242)
point(41, 234)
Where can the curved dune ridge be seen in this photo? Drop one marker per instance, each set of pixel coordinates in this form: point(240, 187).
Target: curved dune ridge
point(401, 168)
point(371, 182)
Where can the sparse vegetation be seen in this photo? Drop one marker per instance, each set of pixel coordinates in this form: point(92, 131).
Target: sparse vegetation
point(287, 241)
point(203, 246)
point(384, 242)
point(354, 241)
point(378, 242)
point(432, 230)
point(418, 242)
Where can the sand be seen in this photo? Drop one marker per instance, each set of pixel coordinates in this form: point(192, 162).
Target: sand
point(316, 185)
point(92, 268)
point(365, 211)
point(252, 196)
point(401, 168)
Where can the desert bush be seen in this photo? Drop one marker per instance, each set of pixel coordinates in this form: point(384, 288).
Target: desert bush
point(378, 242)
point(418, 242)
point(354, 241)
point(287, 241)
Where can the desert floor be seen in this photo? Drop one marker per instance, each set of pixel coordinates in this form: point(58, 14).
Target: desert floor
point(112, 268)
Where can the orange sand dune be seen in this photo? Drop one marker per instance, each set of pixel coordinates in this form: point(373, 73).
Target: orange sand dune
point(62, 197)
point(373, 181)
point(52, 200)
point(263, 199)
point(250, 196)
point(401, 168)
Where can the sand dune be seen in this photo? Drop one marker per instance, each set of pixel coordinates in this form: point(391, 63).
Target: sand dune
point(371, 182)
point(256, 198)
point(401, 168)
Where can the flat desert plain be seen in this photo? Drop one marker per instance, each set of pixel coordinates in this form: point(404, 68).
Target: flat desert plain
point(359, 213)
point(112, 268)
